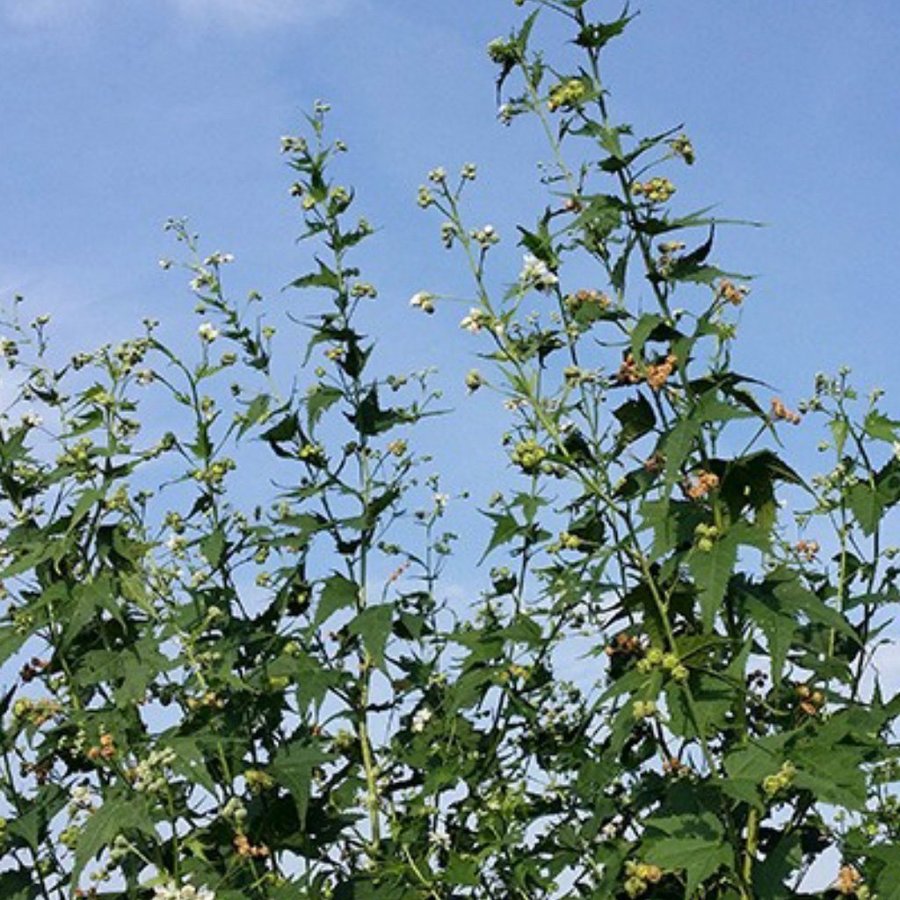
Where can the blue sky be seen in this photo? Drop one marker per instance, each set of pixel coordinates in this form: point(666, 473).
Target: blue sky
point(120, 114)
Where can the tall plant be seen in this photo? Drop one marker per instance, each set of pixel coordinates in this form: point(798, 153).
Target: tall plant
point(279, 701)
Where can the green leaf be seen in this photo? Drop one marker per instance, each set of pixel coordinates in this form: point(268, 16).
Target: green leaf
point(86, 501)
point(694, 844)
point(794, 598)
point(712, 571)
point(212, 545)
point(832, 775)
point(636, 418)
point(19, 884)
point(32, 824)
point(599, 34)
point(256, 409)
point(866, 505)
point(505, 529)
point(887, 879)
point(462, 871)
point(373, 625)
point(320, 398)
point(10, 641)
point(88, 598)
point(677, 446)
point(880, 428)
point(190, 760)
point(778, 627)
point(119, 812)
point(780, 863)
point(601, 216)
point(649, 327)
point(283, 430)
point(759, 758)
point(293, 766)
point(523, 630)
point(371, 419)
point(338, 593)
point(325, 278)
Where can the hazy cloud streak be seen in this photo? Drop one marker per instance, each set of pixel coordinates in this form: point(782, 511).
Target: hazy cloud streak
point(231, 13)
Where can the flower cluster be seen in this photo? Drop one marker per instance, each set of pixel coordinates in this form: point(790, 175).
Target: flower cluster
point(655, 658)
point(474, 380)
point(106, 749)
point(809, 701)
point(504, 52)
point(706, 535)
point(244, 848)
point(624, 645)
point(659, 373)
point(208, 332)
point(656, 375)
point(475, 320)
point(536, 273)
point(807, 549)
point(37, 712)
point(567, 94)
point(780, 781)
point(528, 456)
point(259, 781)
point(586, 299)
point(656, 190)
point(702, 484)
point(849, 883)
point(422, 300)
point(644, 709)
point(149, 776)
point(780, 411)
point(732, 293)
point(640, 877)
point(682, 146)
point(170, 891)
point(628, 371)
point(485, 237)
point(214, 474)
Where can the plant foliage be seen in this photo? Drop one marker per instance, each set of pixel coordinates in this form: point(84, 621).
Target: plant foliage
point(217, 700)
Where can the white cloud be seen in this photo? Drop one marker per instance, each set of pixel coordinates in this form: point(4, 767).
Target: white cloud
point(257, 13)
point(44, 13)
point(240, 14)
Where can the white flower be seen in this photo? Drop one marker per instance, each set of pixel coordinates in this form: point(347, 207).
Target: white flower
point(218, 259)
point(441, 501)
point(31, 420)
point(439, 839)
point(421, 719)
point(207, 332)
point(201, 280)
point(80, 796)
point(474, 321)
point(169, 891)
point(536, 274)
point(486, 236)
point(423, 300)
